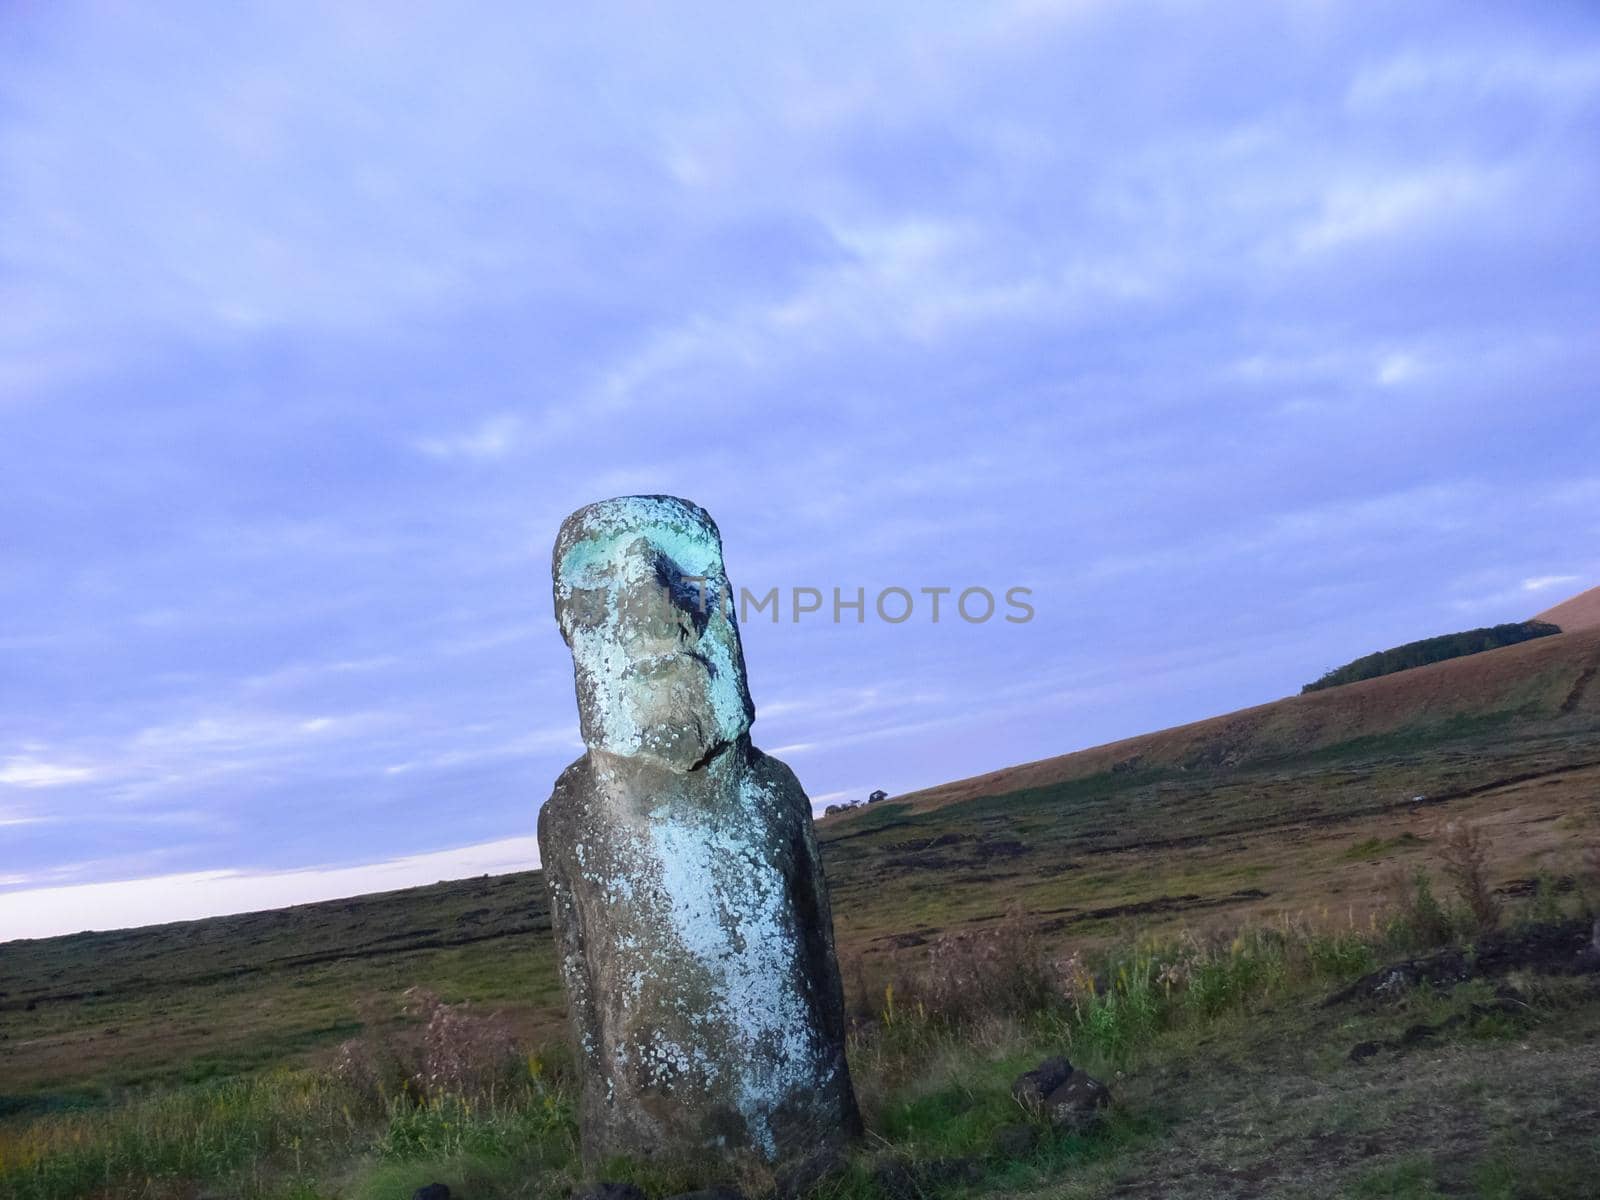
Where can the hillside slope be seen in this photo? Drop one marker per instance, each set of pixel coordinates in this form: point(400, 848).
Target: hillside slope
point(1300, 806)
point(1531, 682)
point(1580, 612)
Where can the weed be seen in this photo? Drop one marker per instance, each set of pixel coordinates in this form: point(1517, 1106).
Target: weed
point(1546, 907)
point(1418, 920)
point(1001, 969)
point(1465, 855)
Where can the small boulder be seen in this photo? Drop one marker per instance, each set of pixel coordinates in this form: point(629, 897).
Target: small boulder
point(1362, 1051)
point(1078, 1103)
point(1015, 1141)
point(433, 1191)
point(1032, 1087)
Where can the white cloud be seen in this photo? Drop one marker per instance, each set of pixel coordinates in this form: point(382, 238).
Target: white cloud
point(1540, 583)
point(557, 737)
point(818, 803)
point(45, 912)
point(31, 773)
point(1560, 77)
point(1361, 210)
point(1398, 368)
point(493, 437)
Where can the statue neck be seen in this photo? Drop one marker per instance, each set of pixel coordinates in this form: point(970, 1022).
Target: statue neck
point(642, 775)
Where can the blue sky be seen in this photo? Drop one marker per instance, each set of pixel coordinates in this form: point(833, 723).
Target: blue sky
point(1250, 337)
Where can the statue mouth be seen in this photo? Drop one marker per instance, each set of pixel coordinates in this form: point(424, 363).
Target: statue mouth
point(652, 665)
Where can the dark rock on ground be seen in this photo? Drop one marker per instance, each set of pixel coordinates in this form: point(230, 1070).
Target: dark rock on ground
point(1032, 1087)
point(1015, 1141)
point(433, 1191)
point(1362, 1051)
point(1507, 1003)
point(1445, 969)
point(1068, 1099)
point(1551, 948)
point(1078, 1103)
point(1416, 1034)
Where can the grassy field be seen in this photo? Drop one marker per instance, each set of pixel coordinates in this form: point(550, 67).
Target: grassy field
point(1301, 811)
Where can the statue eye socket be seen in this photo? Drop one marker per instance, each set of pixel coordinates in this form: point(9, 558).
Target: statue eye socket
point(586, 607)
point(692, 595)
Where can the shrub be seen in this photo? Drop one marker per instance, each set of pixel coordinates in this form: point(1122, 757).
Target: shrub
point(1466, 864)
point(459, 1053)
point(1418, 919)
point(1001, 970)
point(1546, 908)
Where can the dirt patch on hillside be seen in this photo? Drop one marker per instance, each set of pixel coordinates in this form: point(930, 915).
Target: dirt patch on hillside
point(1580, 612)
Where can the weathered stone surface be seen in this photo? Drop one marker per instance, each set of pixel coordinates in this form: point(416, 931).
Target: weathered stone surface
point(695, 936)
point(1078, 1103)
point(1031, 1087)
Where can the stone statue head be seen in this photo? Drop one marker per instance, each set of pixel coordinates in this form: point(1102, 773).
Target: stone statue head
point(642, 599)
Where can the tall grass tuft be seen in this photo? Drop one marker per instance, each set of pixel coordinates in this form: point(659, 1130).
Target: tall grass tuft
point(1417, 918)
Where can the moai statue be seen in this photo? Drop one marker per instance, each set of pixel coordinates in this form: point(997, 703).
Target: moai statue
point(691, 915)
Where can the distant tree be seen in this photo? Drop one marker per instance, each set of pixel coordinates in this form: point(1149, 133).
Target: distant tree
point(1432, 650)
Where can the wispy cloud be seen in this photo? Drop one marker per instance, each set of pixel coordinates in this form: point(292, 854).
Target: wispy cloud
point(1543, 583)
point(31, 773)
point(494, 437)
point(42, 912)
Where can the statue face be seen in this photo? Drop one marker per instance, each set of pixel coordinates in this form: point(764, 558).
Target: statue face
point(641, 597)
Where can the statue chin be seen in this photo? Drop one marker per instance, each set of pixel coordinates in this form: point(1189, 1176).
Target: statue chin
point(670, 714)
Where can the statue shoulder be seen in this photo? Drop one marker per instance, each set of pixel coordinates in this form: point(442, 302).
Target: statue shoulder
point(775, 776)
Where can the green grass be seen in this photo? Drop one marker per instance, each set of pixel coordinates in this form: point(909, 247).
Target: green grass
point(1408, 1180)
point(1197, 1036)
point(1374, 848)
